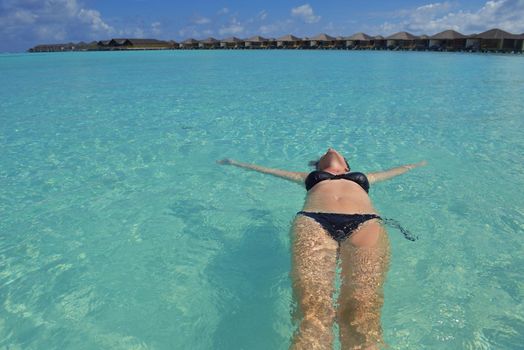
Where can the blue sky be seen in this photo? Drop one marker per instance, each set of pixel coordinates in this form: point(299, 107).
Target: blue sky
point(25, 23)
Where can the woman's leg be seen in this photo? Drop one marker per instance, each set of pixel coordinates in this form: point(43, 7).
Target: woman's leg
point(314, 260)
point(364, 259)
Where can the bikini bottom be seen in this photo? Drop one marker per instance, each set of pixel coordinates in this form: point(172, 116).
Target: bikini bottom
point(341, 226)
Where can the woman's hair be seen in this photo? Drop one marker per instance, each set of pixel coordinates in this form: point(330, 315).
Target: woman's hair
point(314, 163)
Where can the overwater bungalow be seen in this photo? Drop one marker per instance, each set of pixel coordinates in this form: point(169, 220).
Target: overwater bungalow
point(209, 43)
point(256, 42)
point(496, 40)
point(493, 40)
point(189, 44)
point(340, 42)
point(359, 41)
point(231, 43)
point(289, 42)
point(139, 43)
point(378, 42)
point(119, 42)
point(271, 43)
point(401, 41)
point(448, 40)
point(472, 43)
point(47, 48)
point(422, 42)
point(322, 41)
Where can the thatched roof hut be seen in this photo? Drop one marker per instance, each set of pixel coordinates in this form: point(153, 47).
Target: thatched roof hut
point(358, 41)
point(231, 43)
point(402, 36)
point(448, 40)
point(190, 41)
point(231, 39)
point(288, 38)
point(148, 43)
point(321, 40)
point(289, 42)
point(119, 42)
point(322, 37)
point(359, 37)
point(209, 43)
point(189, 44)
point(448, 35)
point(378, 42)
point(256, 41)
point(495, 34)
point(495, 40)
point(401, 40)
point(126, 43)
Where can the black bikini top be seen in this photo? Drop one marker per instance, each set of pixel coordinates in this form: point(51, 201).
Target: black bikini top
point(316, 176)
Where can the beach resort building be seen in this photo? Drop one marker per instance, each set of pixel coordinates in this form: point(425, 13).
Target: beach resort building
point(256, 42)
point(209, 43)
point(231, 43)
point(496, 40)
point(289, 42)
point(359, 41)
point(321, 41)
point(189, 44)
point(493, 40)
point(401, 41)
point(378, 42)
point(448, 40)
point(135, 44)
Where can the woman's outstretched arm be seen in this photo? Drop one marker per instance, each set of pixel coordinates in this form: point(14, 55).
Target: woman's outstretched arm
point(388, 174)
point(294, 176)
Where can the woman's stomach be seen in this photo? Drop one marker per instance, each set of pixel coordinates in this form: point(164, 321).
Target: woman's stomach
point(344, 198)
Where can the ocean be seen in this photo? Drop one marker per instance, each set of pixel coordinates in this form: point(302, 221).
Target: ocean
point(119, 230)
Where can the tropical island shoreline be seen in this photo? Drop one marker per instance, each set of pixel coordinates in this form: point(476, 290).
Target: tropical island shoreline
point(493, 40)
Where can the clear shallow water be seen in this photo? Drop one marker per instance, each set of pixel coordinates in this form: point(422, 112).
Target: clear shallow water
point(118, 230)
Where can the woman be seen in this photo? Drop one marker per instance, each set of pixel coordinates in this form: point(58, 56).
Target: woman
point(337, 223)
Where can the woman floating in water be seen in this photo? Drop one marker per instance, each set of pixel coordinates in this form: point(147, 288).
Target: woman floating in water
point(337, 222)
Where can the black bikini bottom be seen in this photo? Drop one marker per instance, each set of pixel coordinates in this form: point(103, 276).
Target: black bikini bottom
point(341, 226)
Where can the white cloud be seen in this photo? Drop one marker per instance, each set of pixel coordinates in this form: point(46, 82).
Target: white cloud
point(276, 28)
point(305, 13)
point(223, 11)
point(432, 18)
point(189, 31)
point(156, 28)
point(94, 20)
point(233, 28)
point(201, 20)
point(23, 22)
point(193, 32)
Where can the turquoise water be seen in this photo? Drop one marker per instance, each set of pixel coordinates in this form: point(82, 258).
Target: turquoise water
point(119, 231)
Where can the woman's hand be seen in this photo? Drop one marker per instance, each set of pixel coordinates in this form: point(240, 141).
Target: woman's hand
point(226, 161)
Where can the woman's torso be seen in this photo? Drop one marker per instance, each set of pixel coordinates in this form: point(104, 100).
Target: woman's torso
point(338, 196)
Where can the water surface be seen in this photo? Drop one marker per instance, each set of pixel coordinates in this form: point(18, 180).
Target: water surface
point(119, 231)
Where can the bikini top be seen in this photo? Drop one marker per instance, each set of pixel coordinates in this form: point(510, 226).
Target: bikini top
point(317, 176)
